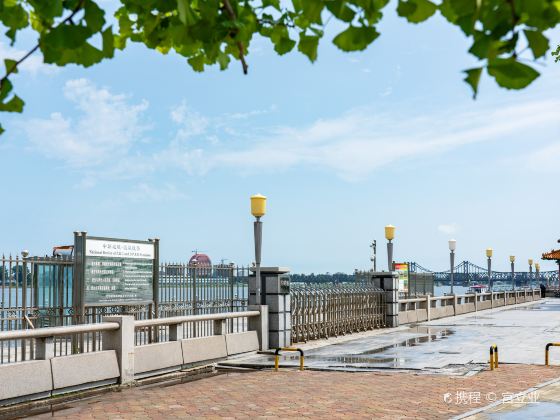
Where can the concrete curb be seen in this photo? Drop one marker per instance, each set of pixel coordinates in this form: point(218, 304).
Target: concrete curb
point(500, 402)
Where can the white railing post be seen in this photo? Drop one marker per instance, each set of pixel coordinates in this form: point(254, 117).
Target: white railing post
point(260, 324)
point(122, 341)
point(220, 327)
point(44, 348)
point(176, 332)
point(428, 308)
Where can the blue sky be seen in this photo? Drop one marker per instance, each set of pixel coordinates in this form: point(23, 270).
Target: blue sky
point(141, 146)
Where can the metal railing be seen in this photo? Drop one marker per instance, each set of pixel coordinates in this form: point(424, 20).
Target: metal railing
point(37, 293)
point(322, 311)
point(75, 331)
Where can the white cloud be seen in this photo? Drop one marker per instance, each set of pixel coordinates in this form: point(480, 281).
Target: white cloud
point(448, 229)
point(105, 132)
point(362, 141)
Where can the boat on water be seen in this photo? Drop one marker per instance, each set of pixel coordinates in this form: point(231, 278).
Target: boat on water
point(478, 288)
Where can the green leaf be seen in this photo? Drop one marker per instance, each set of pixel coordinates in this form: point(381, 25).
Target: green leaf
point(108, 42)
point(308, 46)
point(537, 42)
point(1, 130)
point(281, 40)
point(47, 9)
point(556, 54)
point(340, 9)
point(10, 65)
point(355, 38)
point(416, 11)
point(13, 105)
point(473, 78)
point(511, 74)
point(197, 62)
point(94, 16)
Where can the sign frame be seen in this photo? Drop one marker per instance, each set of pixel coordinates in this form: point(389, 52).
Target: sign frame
point(80, 261)
point(404, 276)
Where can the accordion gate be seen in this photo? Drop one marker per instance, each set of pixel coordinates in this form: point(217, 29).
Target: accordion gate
point(320, 311)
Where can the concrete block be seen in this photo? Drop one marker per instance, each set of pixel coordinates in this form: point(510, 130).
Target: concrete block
point(260, 325)
point(412, 317)
point(25, 378)
point(80, 369)
point(204, 348)
point(275, 303)
point(403, 318)
point(242, 342)
point(392, 309)
point(449, 311)
point(277, 322)
point(484, 305)
point(287, 321)
point(392, 321)
point(421, 315)
point(280, 339)
point(122, 341)
point(158, 356)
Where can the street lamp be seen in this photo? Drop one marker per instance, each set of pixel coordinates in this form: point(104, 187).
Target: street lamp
point(537, 273)
point(512, 261)
point(489, 255)
point(452, 247)
point(390, 235)
point(530, 272)
point(258, 210)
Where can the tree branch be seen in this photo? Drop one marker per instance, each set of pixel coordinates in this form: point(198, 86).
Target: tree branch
point(231, 13)
point(14, 66)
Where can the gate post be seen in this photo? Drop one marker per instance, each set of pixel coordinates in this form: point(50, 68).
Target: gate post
point(389, 282)
point(277, 299)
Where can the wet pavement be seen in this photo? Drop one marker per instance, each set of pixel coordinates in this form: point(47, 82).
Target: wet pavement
point(452, 346)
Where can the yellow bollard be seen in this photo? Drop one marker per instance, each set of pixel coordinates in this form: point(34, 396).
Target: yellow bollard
point(493, 357)
point(546, 350)
point(277, 357)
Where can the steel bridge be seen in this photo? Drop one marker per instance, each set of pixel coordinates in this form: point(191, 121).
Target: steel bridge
point(467, 273)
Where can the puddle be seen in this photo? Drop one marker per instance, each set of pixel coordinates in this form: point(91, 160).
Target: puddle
point(382, 356)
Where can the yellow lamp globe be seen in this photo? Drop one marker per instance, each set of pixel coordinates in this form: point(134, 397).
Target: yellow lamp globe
point(512, 258)
point(530, 261)
point(258, 205)
point(537, 266)
point(489, 252)
point(389, 232)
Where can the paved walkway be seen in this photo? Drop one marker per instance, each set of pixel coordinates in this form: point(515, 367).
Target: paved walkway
point(289, 394)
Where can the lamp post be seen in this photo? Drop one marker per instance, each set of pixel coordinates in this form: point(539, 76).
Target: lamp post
point(452, 247)
point(512, 261)
point(390, 235)
point(537, 273)
point(489, 255)
point(530, 272)
point(258, 209)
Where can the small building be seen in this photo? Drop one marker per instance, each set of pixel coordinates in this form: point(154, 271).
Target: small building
point(553, 255)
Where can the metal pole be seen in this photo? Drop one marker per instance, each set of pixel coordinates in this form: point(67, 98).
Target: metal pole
point(260, 297)
point(390, 255)
point(452, 265)
point(513, 274)
point(531, 276)
point(490, 273)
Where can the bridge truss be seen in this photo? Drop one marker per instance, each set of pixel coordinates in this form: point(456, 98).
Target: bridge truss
point(467, 273)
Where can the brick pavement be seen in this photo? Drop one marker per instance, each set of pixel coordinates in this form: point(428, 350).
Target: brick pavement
point(311, 394)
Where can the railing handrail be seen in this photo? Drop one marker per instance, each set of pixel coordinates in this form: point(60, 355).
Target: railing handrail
point(445, 297)
point(193, 318)
point(58, 331)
